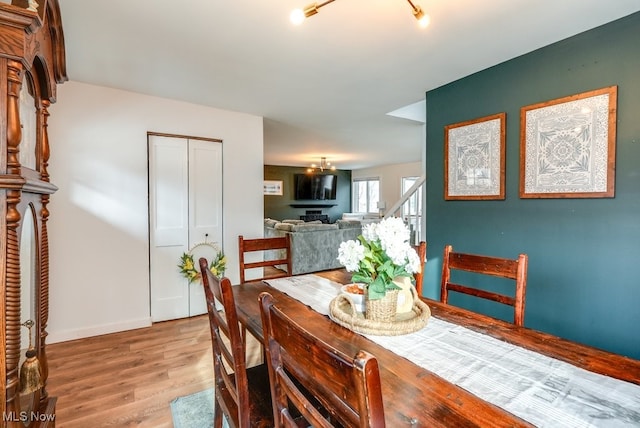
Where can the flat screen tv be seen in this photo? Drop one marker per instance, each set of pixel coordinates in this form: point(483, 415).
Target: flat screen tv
point(315, 186)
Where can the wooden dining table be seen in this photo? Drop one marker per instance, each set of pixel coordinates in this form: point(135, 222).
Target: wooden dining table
point(414, 396)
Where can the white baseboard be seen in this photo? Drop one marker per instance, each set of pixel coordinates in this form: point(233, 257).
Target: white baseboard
point(64, 336)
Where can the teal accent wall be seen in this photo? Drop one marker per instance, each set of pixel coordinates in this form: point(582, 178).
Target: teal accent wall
point(279, 207)
point(584, 254)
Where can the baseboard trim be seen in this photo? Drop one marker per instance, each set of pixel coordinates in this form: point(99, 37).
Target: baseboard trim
point(81, 333)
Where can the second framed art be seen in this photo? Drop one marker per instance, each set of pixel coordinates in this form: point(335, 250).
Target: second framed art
point(474, 159)
point(568, 146)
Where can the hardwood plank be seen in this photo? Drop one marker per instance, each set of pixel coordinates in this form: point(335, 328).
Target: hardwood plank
point(129, 378)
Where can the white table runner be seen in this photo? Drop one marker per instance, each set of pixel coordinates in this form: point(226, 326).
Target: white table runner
point(541, 390)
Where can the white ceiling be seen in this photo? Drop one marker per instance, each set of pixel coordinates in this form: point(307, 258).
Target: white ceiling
point(324, 88)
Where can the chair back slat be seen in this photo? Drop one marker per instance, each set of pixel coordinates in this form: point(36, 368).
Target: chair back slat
point(486, 265)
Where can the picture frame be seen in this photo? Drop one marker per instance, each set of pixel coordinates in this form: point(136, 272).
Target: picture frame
point(272, 187)
point(568, 146)
point(474, 159)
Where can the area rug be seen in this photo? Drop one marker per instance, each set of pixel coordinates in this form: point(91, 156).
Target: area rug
point(194, 411)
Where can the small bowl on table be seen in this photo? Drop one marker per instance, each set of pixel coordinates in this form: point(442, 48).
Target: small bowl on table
point(355, 292)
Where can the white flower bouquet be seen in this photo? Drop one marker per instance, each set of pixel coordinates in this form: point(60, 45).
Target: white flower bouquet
point(381, 254)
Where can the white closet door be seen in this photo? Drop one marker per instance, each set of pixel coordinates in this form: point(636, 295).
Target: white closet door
point(185, 208)
point(205, 209)
point(169, 226)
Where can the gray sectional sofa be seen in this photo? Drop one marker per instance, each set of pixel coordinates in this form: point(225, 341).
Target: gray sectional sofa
point(314, 246)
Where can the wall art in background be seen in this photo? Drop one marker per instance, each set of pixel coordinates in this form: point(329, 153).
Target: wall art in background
point(272, 187)
point(474, 159)
point(568, 146)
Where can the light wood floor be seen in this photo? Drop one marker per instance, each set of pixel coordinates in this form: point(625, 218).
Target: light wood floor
point(128, 379)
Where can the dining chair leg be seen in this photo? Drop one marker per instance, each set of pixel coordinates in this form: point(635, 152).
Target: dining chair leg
point(217, 413)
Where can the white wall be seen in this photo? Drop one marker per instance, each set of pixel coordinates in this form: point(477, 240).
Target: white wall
point(98, 229)
point(390, 178)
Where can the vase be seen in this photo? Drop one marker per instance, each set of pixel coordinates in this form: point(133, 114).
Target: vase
point(405, 295)
point(383, 309)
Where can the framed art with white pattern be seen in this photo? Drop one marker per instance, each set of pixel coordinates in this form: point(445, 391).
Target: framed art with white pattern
point(272, 187)
point(568, 146)
point(474, 159)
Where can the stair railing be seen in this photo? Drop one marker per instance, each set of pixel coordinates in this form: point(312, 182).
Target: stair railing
point(415, 221)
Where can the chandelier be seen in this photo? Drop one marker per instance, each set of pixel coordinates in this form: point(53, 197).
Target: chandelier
point(299, 15)
point(322, 166)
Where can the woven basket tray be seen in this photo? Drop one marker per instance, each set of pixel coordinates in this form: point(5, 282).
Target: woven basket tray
point(342, 311)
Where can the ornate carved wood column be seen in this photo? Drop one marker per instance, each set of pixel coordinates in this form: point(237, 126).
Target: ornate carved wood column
point(32, 63)
point(12, 297)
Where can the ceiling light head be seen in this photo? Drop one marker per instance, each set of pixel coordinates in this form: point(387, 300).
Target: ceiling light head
point(299, 15)
point(423, 19)
point(311, 10)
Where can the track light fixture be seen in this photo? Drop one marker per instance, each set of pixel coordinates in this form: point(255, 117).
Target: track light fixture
point(299, 15)
point(322, 166)
point(423, 19)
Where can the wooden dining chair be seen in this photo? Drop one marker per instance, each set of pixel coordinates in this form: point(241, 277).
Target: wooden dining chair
point(276, 253)
point(421, 249)
point(242, 394)
point(513, 269)
point(313, 381)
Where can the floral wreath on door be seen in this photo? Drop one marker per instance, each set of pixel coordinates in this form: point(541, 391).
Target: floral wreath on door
point(189, 269)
